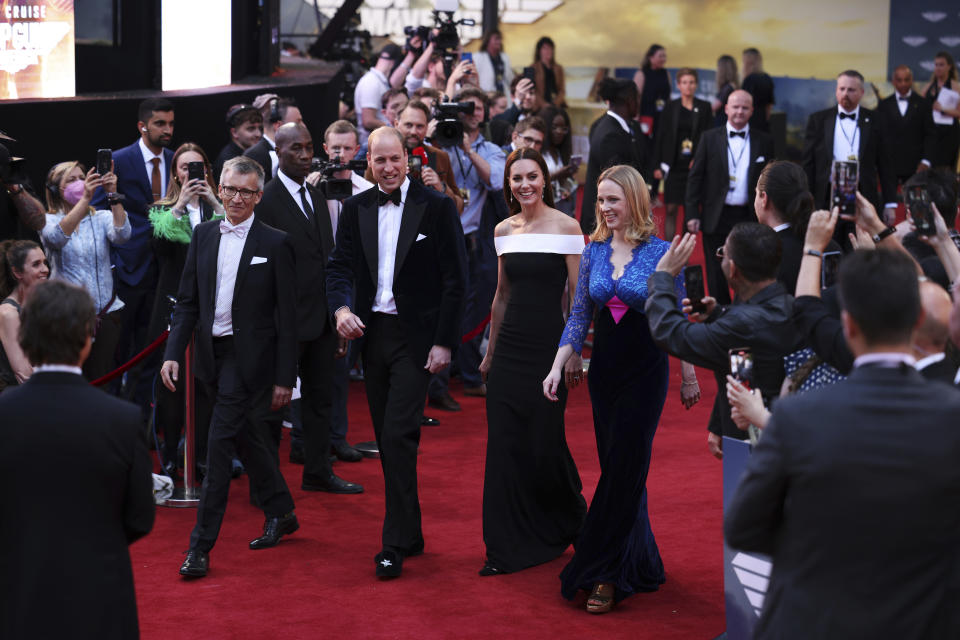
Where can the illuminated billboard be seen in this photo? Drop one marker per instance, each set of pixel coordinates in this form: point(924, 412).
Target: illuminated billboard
point(36, 49)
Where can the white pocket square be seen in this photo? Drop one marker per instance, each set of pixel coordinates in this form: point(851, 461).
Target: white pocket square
point(761, 159)
point(257, 260)
point(420, 237)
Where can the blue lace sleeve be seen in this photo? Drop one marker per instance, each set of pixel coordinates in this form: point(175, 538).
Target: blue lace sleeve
point(582, 312)
point(681, 289)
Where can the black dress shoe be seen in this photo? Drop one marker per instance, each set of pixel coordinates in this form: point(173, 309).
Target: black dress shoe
point(274, 529)
point(445, 402)
point(490, 570)
point(347, 453)
point(426, 421)
point(196, 564)
point(333, 484)
point(296, 454)
point(237, 468)
point(389, 564)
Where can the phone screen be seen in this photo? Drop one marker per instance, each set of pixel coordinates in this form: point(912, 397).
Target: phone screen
point(693, 281)
point(104, 160)
point(194, 170)
point(741, 365)
point(528, 73)
point(844, 177)
point(575, 160)
point(831, 267)
point(918, 203)
point(466, 56)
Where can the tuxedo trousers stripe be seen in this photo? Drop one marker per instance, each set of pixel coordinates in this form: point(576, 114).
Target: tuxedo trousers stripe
point(396, 390)
point(239, 416)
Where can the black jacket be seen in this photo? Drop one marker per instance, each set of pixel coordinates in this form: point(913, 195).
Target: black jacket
point(764, 323)
point(709, 178)
point(261, 153)
point(430, 268)
point(312, 245)
point(853, 490)
point(665, 142)
point(76, 462)
point(875, 164)
point(263, 313)
point(611, 145)
point(823, 332)
point(909, 138)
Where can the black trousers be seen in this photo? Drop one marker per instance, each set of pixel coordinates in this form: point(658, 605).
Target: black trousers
point(717, 286)
point(396, 388)
point(316, 405)
point(238, 414)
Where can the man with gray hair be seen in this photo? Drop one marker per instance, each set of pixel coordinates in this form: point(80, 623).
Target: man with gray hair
point(238, 293)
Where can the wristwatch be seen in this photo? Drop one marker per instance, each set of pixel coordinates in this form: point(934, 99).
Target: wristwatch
point(814, 253)
point(889, 231)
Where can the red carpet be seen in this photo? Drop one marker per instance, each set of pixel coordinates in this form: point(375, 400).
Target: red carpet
point(319, 582)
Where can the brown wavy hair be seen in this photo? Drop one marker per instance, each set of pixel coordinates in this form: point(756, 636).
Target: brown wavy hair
point(173, 183)
point(513, 158)
point(637, 195)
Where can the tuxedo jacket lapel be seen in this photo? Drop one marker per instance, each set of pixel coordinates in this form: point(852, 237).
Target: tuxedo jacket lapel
point(209, 255)
point(866, 128)
point(293, 210)
point(413, 210)
point(321, 219)
point(829, 126)
point(367, 219)
point(249, 250)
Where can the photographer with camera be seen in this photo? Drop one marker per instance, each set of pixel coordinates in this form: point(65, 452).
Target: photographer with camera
point(21, 214)
point(478, 168)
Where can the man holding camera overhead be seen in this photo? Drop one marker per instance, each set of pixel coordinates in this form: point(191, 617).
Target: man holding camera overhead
point(291, 204)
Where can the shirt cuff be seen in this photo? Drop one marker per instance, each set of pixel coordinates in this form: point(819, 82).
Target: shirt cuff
point(665, 168)
point(890, 205)
point(926, 162)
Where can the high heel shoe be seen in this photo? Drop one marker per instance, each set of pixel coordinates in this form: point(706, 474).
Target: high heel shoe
point(601, 598)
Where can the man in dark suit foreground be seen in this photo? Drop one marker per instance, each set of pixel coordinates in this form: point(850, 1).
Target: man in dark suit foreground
point(397, 276)
point(906, 124)
point(853, 488)
point(64, 569)
point(238, 292)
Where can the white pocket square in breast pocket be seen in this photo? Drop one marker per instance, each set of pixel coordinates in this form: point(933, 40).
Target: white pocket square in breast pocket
point(257, 260)
point(420, 237)
point(761, 159)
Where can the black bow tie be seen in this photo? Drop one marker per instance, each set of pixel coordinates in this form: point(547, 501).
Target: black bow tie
point(852, 116)
point(738, 134)
point(904, 98)
point(384, 198)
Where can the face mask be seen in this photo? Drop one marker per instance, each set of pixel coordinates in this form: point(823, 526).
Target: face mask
point(73, 192)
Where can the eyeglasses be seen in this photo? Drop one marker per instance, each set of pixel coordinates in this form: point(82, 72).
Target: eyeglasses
point(720, 253)
point(530, 140)
point(230, 192)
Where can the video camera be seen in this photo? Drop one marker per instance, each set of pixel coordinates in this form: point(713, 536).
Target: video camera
point(449, 130)
point(330, 186)
point(12, 170)
point(447, 40)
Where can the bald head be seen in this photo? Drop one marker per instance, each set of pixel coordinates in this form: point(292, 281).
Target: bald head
point(387, 158)
point(294, 150)
point(902, 79)
point(739, 108)
point(932, 334)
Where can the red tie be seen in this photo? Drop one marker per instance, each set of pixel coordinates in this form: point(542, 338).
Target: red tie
point(155, 179)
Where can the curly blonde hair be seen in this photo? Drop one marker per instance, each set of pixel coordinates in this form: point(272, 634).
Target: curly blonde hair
point(637, 195)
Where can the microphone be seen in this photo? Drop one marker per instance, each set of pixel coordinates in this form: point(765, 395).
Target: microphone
point(422, 153)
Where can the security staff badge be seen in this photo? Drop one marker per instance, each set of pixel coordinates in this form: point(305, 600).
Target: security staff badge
point(686, 147)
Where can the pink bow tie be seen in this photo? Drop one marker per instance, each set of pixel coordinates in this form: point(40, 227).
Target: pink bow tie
point(240, 232)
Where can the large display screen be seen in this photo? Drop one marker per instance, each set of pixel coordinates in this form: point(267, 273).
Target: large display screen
point(36, 49)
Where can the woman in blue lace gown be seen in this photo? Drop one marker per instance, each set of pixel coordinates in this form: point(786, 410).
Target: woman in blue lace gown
point(532, 503)
point(616, 554)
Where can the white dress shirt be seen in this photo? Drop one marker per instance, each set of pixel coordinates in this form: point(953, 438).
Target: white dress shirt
point(294, 190)
point(228, 261)
point(58, 368)
point(334, 206)
point(738, 164)
point(903, 102)
point(274, 158)
point(388, 232)
point(148, 156)
point(194, 214)
point(846, 136)
point(886, 360)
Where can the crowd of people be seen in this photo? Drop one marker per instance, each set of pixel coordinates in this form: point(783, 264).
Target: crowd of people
point(291, 273)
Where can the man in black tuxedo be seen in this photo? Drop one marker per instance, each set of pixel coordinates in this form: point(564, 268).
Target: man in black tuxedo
point(293, 205)
point(722, 184)
point(906, 124)
point(238, 291)
point(853, 487)
point(276, 112)
point(849, 133)
point(402, 247)
point(615, 138)
point(65, 569)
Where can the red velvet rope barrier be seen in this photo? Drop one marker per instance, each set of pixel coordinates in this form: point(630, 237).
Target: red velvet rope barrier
point(477, 330)
point(133, 361)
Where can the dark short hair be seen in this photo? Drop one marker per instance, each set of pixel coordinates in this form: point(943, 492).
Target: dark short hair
point(533, 122)
point(341, 126)
point(391, 93)
point(852, 73)
point(617, 91)
point(240, 114)
point(473, 92)
point(756, 250)
point(880, 291)
point(150, 105)
point(428, 92)
point(688, 71)
point(55, 322)
point(419, 106)
point(941, 185)
point(513, 158)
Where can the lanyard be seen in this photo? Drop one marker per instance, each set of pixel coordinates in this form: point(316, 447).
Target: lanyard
point(736, 163)
point(850, 141)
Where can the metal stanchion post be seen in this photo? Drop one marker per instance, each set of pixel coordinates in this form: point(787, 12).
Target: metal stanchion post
point(189, 494)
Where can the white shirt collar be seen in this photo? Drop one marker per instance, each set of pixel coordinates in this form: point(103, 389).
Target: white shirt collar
point(404, 187)
point(147, 154)
point(885, 360)
point(290, 184)
point(746, 129)
point(782, 226)
point(855, 112)
point(246, 224)
point(58, 368)
point(923, 363)
point(623, 123)
point(906, 97)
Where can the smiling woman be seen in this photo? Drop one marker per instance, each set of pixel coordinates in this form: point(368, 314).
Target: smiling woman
point(22, 265)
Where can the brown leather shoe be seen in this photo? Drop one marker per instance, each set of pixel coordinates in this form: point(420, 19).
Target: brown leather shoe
point(476, 392)
point(444, 402)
